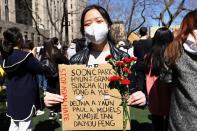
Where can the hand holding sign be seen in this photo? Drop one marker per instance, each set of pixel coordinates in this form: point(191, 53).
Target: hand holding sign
point(51, 99)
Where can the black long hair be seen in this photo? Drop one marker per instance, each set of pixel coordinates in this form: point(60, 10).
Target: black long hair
point(12, 38)
point(154, 60)
point(48, 49)
point(106, 17)
point(52, 53)
point(101, 10)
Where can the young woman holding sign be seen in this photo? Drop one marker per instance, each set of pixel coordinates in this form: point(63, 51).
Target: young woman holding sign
point(95, 26)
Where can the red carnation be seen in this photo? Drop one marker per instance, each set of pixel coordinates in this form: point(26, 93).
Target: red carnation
point(125, 82)
point(120, 63)
point(127, 60)
point(126, 70)
point(133, 59)
point(114, 78)
point(108, 57)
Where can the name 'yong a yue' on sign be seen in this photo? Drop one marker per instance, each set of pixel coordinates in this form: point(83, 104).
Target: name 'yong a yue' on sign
point(88, 103)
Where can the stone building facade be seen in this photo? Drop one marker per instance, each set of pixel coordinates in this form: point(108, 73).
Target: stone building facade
point(48, 15)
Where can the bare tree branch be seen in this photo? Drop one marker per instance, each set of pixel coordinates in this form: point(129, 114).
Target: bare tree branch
point(143, 21)
point(177, 12)
point(62, 21)
point(167, 7)
point(35, 22)
point(107, 5)
point(172, 16)
point(50, 17)
point(131, 14)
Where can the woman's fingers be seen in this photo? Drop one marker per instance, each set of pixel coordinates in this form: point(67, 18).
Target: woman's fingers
point(139, 102)
point(137, 98)
point(51, 99)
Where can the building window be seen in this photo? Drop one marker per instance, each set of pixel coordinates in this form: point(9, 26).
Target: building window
point(26, 37)
point(47, 24)
point(54, 8)
point(32, 37)
point(6, 11)
point(38, 39)
point(36, 8)
point(6, 2)
point(22, 13)
point(37, 17)
point(0, 30)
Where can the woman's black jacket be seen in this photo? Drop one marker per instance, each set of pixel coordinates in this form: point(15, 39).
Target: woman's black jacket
point(83, 56)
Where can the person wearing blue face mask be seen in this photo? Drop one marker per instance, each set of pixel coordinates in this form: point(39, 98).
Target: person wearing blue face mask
point(95, 27)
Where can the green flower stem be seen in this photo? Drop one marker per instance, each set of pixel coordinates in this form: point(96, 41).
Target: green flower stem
point(111, 62)
point(126, 115)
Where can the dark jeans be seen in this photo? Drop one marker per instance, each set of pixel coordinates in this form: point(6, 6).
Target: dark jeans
point(42, 82)
point(160, 123)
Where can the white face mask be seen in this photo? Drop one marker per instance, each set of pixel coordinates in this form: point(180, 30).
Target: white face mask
point(59, 46)
point(190, 45)
point(97, 33)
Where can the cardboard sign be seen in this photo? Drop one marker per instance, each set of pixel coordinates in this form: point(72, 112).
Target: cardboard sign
point(88, 102)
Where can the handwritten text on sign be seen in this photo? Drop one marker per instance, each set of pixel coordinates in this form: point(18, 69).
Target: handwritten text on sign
point(86, 105)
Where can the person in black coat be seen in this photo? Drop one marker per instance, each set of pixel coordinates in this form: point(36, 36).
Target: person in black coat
point(21, 68)
point(141, 47)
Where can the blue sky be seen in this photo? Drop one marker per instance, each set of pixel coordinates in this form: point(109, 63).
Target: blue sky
point(151, 10)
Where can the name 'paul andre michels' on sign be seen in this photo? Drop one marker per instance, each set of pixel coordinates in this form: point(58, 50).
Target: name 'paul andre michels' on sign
point(88, 103)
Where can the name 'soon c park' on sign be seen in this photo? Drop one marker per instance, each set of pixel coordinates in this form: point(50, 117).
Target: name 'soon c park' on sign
point(88, 103)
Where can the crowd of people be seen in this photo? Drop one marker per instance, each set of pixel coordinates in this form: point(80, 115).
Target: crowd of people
point(164, 75)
